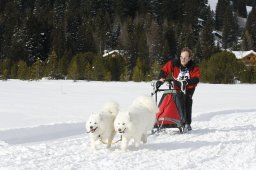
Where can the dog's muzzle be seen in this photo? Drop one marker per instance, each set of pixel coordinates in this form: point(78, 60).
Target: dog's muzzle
point(92, 130)
point(121, 131)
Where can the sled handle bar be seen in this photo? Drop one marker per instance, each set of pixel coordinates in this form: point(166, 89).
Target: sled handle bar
point(169, 81)
point(157, 90)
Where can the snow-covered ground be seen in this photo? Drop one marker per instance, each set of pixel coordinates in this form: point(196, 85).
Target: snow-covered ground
point(42, 127)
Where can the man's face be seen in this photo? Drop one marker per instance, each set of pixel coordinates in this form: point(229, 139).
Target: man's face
point(184, 58)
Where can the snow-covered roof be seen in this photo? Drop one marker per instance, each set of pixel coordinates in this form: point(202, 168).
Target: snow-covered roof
point(217, 32)
point(242, 54)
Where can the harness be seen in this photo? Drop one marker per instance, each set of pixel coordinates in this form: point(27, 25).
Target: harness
point(100, 138)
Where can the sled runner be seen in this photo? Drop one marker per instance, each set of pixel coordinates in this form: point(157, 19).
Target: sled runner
point(171, 108)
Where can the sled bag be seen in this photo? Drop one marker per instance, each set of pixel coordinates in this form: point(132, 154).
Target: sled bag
point(171, 109)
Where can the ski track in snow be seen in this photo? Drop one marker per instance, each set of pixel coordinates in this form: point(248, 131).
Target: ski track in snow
point(222, 139)
point(41, 133)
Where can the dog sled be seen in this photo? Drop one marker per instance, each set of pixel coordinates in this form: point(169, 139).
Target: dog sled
point(171, 106)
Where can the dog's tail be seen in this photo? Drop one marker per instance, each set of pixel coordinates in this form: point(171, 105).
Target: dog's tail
point(111, 107)
point(146, 101)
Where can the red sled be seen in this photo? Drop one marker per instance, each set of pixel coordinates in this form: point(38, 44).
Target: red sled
point(171, 106)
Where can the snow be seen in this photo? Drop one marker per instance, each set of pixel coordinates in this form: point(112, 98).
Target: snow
point(249, 9)
point(42, 127)
point(241, 22)
point(212, 4)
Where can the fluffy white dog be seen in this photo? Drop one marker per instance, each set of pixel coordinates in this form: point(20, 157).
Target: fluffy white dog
point(136, 121)
point(100, 126)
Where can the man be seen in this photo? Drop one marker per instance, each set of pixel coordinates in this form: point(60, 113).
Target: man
point(186, 76)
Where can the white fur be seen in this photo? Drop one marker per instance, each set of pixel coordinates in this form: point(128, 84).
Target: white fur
point(100, 126)
point(136, 121)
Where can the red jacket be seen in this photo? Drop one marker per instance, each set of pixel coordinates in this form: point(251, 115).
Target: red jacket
point(191, 72)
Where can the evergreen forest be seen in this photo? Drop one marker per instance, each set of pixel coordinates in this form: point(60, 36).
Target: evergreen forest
point(66, 39)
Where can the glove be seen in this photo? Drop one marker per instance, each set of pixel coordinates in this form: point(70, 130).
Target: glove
point(181, 84)
point(158, 84)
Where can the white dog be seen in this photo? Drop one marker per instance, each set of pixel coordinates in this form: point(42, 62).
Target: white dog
point(100, 126)
point(136, 121)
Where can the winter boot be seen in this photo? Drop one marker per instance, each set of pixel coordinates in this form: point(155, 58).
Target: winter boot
point(187, 128)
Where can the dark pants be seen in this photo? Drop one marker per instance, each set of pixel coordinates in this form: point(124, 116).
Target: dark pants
point(188, 105)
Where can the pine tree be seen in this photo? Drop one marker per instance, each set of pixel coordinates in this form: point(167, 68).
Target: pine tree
point(37, 69)
point(172, 10)
point(114, 66)
point(169, 44)
point(73, 71)
point(215, 70)
point(52, 66)
point(186, 37)
point(250, 2)
point(220, 13)
point(102, 24)
point(248, 74)
point(242, 12)
point(88, 72)
point(247, 43)
point(138, 71)
point(125, 8)
point(230, 29)
point(155, 41)
point(135, 42)
point(63, 67)
point(107, 76)
point(154, 71)
point(112, 36)
point(13, 72)
point(18, 43)
point(191, 11)
point(5, 68)
point(22, 72)
point(249, 37)
point(124, 75)
point(58, 31)
point(5, 74)
point(10, 19)
point(197, 53)
point(98, 69)
point(206, 41)
point(36, 44)
point(235, 4)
